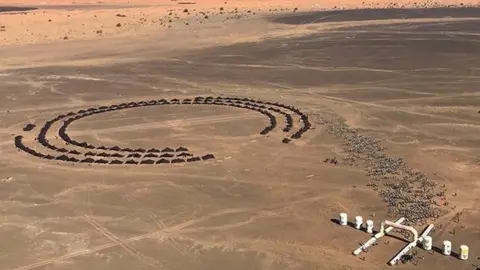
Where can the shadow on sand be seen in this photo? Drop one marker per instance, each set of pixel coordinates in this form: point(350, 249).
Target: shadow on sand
point(375, 14)
point(15, 9)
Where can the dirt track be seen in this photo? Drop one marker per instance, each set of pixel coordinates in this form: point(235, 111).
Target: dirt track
point(408, 78)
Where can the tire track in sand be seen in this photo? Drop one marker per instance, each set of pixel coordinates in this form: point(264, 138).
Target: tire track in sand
point(165, 231)
point(161, 225)
point(134, 253)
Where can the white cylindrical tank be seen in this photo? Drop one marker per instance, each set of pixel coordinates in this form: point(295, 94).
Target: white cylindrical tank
point(427, 243)
point(369, 226)
point(463, 252)
point(447, 247)
point(343, 219)
point(358, 222)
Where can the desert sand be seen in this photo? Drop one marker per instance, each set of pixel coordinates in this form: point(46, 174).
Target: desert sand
point(231, 134)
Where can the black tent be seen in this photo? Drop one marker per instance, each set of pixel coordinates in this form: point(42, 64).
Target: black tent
point(131, 161)
point(62, 157)
point(193, 159)
point(115, 148)
point(178, 160)
point(296, 135)
point(29, 127)
point(167, 155)
point(151, 156)
point(82, 144)
point(287, 128)
point(147, 161)
point(167, 150)
point(208, 156)
point(87, 160)
point(18, 141)
point(289, 118)
point(153, 150)
point(181, 149)
point(116, 161)
point(101, 161)
point(39, 155)
point(53, 147)
point(162, 161)
point(265, 131)
point(117, 155)
point(72, 159)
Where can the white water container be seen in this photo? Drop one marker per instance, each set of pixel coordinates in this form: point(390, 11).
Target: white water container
point(463, 252)
point(447, 247)
point(369, 226)
point(343, 219)
point(427, 243)
point(358, 222)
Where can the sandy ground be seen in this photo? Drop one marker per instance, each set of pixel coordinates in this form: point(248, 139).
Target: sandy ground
point(63, 20)
point(406, 77)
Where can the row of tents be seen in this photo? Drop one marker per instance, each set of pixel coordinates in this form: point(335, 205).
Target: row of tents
point(64, 157)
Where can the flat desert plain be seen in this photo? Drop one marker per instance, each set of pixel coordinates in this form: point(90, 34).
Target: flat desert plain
point(231, 134)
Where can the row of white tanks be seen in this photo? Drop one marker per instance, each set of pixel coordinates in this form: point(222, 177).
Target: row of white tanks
point(427, 242)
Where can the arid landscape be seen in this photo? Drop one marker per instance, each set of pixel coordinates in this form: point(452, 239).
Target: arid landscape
point(231, 134)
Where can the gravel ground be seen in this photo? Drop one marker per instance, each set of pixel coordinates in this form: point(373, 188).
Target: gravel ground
point(407, 192)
